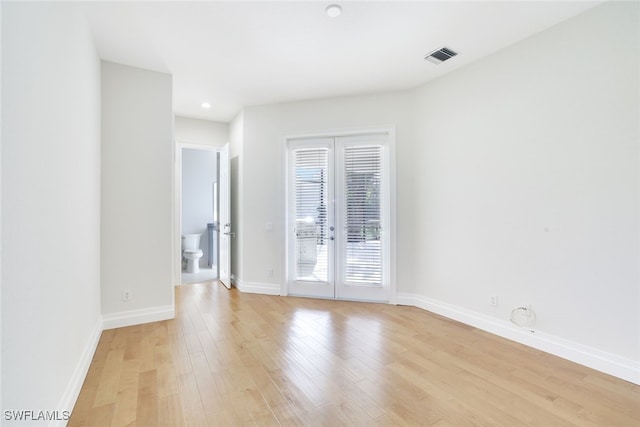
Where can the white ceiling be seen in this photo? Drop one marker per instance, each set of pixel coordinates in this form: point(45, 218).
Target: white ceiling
point(236, 53)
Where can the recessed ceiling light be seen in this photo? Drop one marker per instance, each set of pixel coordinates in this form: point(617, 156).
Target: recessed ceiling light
point(205, 105)
point(333, 10)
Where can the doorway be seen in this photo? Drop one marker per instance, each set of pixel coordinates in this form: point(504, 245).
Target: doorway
point(199, 213)
point(202, 180)
point(339, 217)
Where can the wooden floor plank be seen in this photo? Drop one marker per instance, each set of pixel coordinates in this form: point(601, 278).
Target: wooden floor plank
point(230, 358)
point(126, 404)
point(192, 409)
point(170, 411)
point(107, 391)
point(147, 408)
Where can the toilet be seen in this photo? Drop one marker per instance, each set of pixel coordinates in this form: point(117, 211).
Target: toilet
point(191, 252)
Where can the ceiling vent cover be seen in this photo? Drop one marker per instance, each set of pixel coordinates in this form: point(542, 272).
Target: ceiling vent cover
point(440, 55)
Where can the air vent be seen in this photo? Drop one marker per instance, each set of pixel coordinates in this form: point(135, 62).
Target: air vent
point(440, 55)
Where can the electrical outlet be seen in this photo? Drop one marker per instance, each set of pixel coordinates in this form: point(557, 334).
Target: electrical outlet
point(493, 301)
point(126, 295)
point(269, 272)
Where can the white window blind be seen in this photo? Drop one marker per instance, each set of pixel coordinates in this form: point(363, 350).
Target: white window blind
point(362, 216)
point(310, 189)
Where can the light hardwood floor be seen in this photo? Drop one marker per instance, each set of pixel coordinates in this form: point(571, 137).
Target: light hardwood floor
point(240, 359)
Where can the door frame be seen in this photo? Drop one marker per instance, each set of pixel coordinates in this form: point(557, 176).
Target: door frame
point(390, 131)
point(176, 264)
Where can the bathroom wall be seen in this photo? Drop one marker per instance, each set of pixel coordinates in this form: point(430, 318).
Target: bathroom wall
point(50, 205)
point(199, 171)
point(137, 179)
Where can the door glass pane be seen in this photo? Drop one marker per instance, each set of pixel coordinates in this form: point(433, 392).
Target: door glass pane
point(362, 215)
point(310, 187)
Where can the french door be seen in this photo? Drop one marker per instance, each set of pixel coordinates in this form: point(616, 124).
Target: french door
point(339, 209)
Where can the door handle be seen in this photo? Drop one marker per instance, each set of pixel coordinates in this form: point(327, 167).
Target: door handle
point(229, 233)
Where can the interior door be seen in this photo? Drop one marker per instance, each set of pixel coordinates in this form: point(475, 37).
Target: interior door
point(225, 218)
point(339, 208)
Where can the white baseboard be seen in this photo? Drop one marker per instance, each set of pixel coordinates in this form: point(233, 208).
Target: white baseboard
point(626, 369)
point(138, 317)
point(255, 288)
point(70, 395)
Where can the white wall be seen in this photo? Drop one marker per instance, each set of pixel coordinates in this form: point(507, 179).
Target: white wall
point(1, 407)
point(263, 177)
point(50, 205)
point(528, 186)
point(137, 167)
point(198, 176)
point(201, 132)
